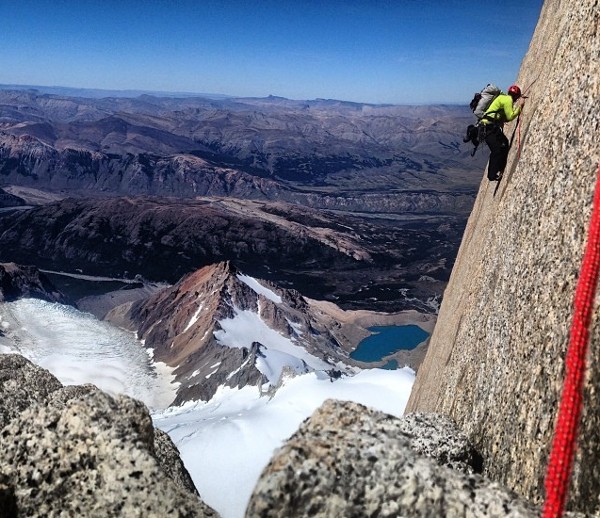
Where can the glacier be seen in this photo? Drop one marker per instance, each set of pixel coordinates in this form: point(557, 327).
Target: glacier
point(78, 348)
point(226, 442)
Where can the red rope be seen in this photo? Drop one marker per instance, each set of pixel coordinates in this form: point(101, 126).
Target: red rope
point(560, 463)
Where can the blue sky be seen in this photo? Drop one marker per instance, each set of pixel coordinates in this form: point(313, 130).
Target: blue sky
point(378, 51)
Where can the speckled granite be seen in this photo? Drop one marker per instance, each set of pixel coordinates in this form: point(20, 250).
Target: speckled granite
point(496, 358)
point(76, 451)
point(350, 461)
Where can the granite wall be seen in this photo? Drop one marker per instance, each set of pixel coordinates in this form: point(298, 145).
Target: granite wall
point(496, 359)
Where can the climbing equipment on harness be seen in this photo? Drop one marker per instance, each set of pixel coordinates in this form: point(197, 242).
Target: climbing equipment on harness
point(473, 136)
point(476, 134)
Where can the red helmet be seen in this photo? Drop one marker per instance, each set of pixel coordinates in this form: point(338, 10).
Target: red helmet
point(514, 91)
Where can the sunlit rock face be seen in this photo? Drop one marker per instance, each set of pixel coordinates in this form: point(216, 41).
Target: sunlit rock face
point(349, 460)
point(79, 451)
point(496, 359)
point(218, 326)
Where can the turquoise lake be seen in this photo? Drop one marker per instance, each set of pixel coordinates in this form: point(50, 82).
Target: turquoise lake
point(388, 340)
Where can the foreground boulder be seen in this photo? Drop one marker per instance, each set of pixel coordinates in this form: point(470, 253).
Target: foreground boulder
point(22, 384)
point(163, 448)
point(76, 451)
point(167, 456)
point(436, 436)
point(350, 461)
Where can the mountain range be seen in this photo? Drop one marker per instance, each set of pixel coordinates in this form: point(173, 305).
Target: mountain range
point(357, 262)
point(372, 198)
point(269, 148)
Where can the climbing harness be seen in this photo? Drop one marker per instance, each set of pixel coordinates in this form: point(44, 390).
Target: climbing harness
point(560, 463)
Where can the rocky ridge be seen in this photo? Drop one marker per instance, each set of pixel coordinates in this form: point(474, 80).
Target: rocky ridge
point(205, 327)
point(348, 460)
point(358, 263)
point(82, 173)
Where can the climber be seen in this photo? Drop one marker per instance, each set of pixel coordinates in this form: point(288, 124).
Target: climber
point(500, 111)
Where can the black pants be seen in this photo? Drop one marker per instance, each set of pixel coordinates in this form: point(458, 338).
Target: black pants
point(498, 144)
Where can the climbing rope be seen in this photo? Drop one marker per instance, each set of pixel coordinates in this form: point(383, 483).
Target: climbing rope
point(560, 463)
point(519, 137)
point(518, 126)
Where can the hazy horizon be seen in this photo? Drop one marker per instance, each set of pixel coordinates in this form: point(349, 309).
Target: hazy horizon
point(92, 93)
point(375, 52)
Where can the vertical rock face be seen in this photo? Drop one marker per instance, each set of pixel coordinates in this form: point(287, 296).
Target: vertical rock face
point(496, 359)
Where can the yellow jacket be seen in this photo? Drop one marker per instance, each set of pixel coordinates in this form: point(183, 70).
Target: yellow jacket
point(501, 110)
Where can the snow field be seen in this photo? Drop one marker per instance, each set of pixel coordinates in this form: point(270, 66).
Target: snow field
point(247, 327)
point(78, 348)
point(226, 443)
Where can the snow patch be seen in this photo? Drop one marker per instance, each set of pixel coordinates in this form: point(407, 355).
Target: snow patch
point(194, 374)
point(259, 288)
point(278, 351)
point(434, 303)
point(272, 363)
point(233, 373)
point(194, 318)
point(295, 326)
point(211, 373)
point(153, 326)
